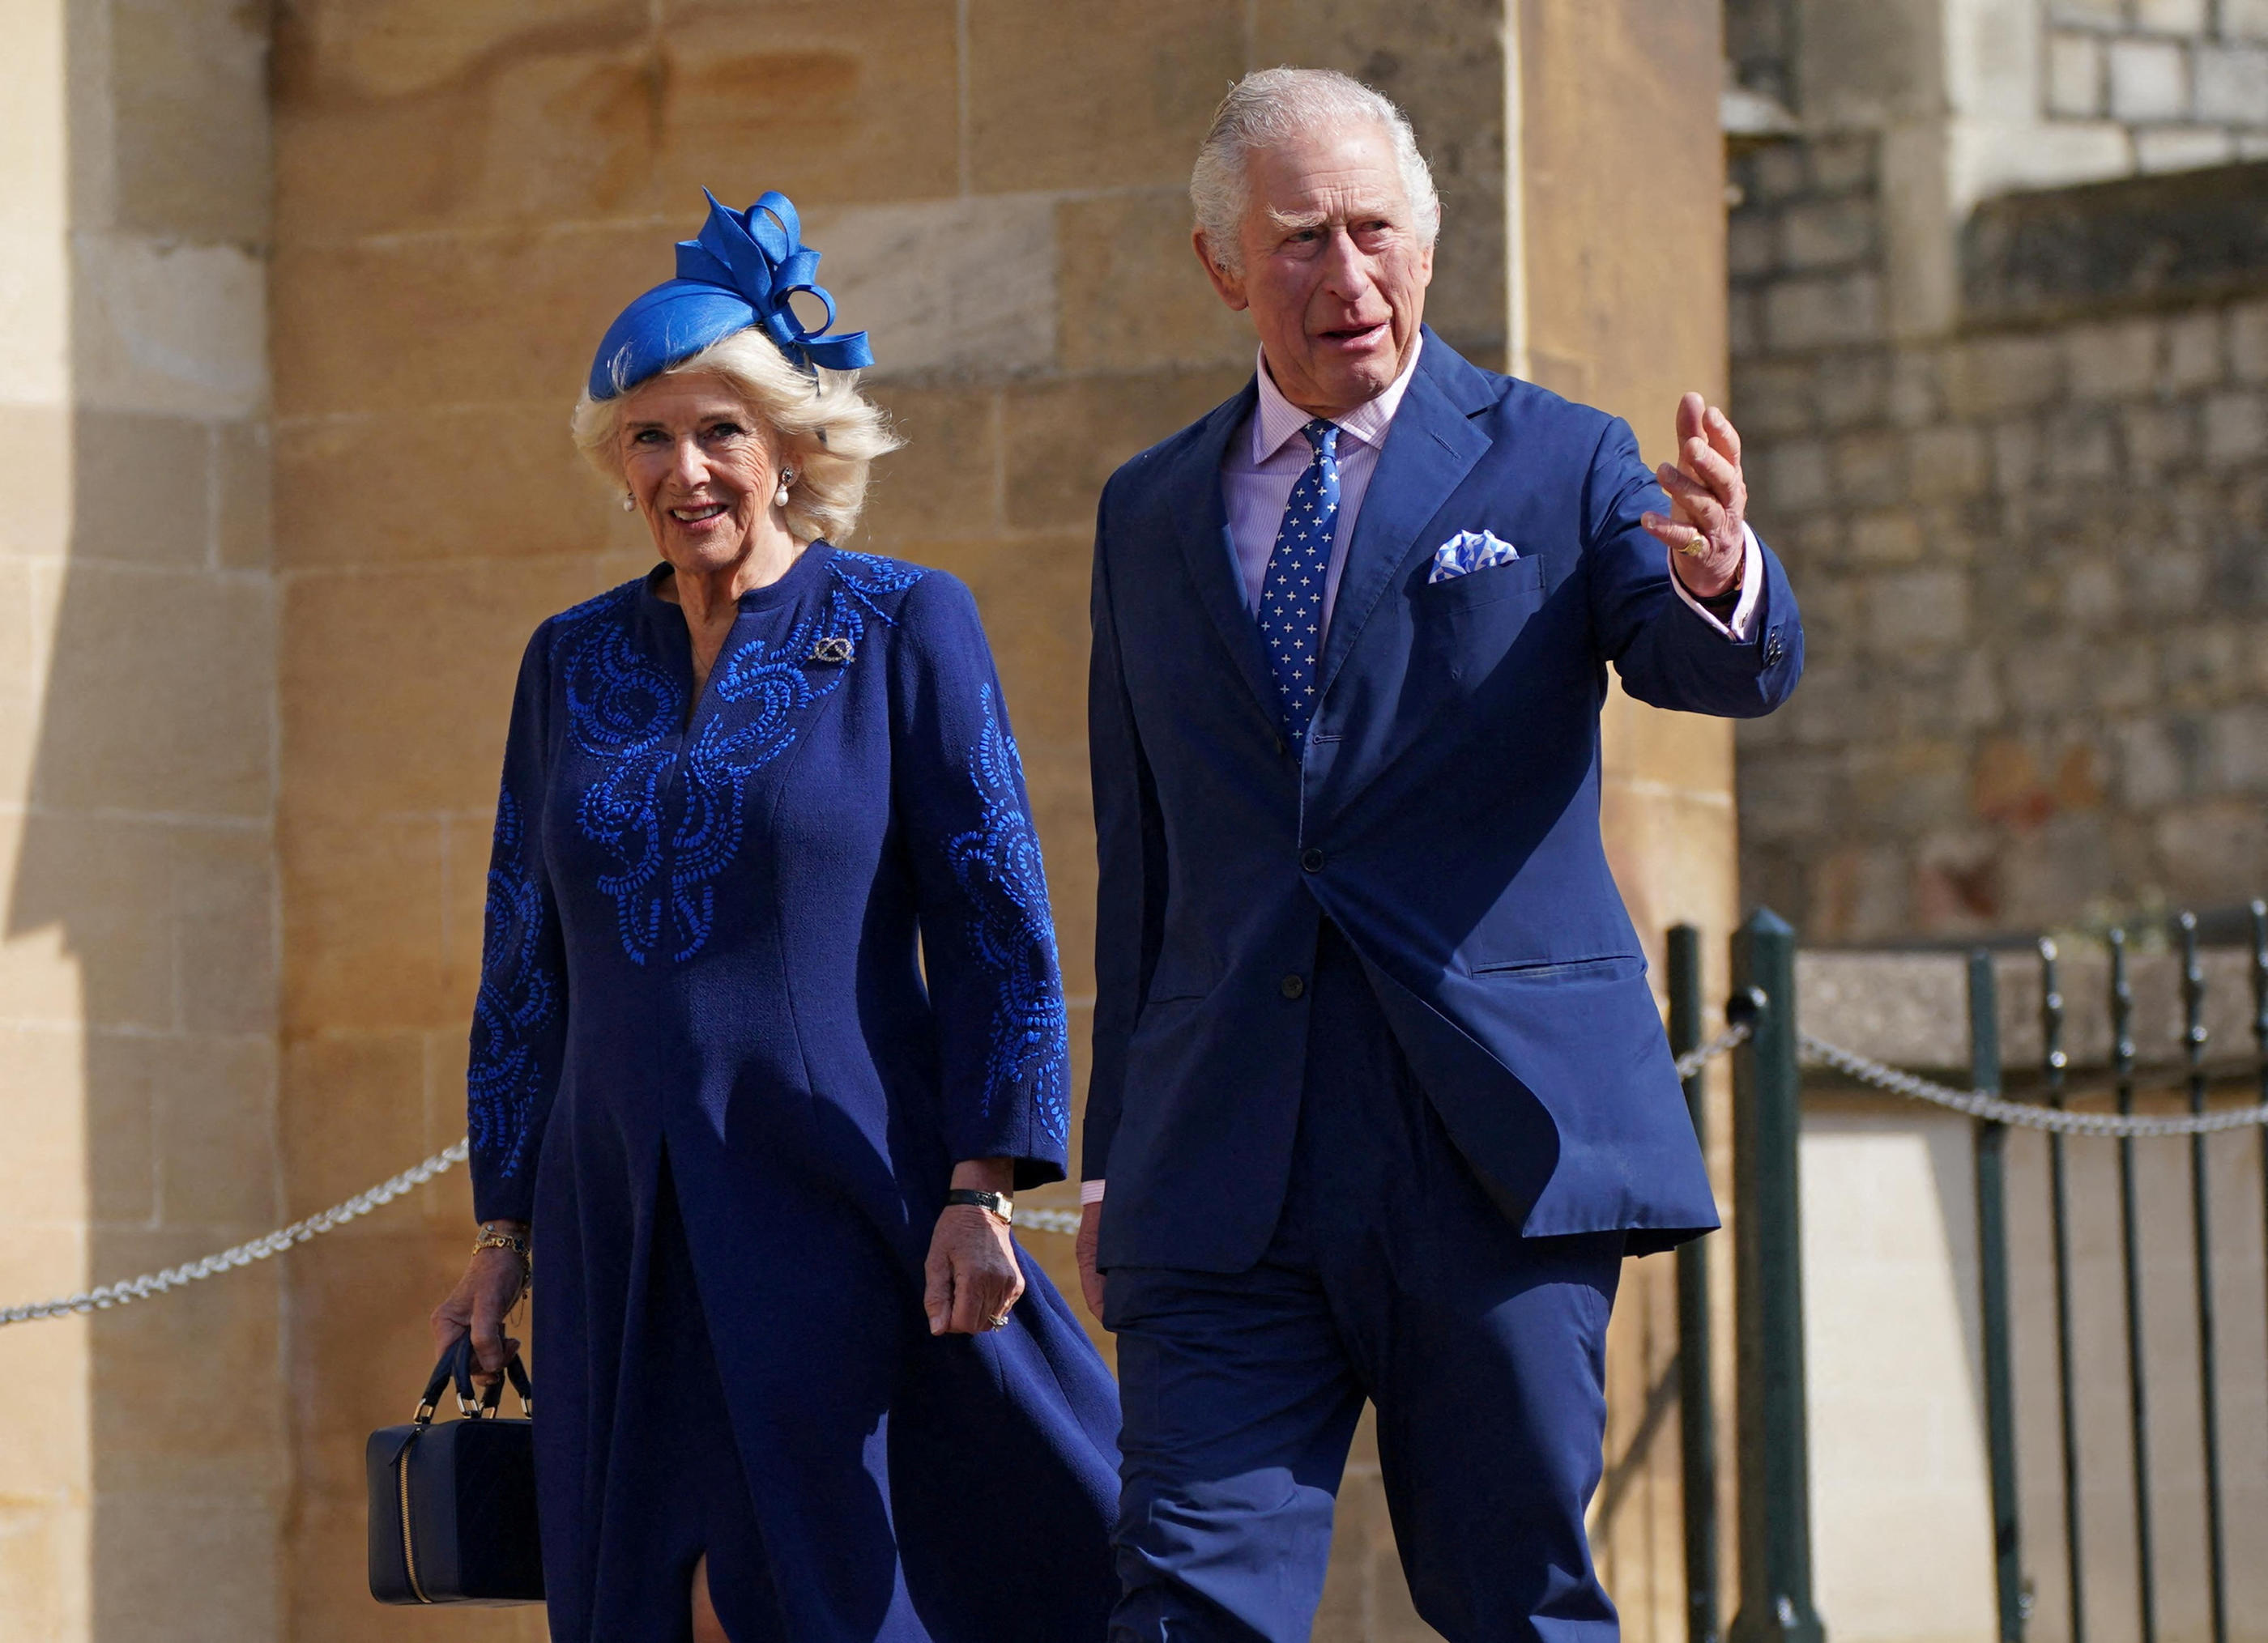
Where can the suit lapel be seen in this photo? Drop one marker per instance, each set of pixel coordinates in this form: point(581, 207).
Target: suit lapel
point(1430, 449)
point(1208, 552)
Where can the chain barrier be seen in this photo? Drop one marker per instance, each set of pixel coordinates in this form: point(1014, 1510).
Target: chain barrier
point(1693, 1061)
point(1063, 1221)
point(1066, 1221)
point(108, 1296)
point(2023, 1114)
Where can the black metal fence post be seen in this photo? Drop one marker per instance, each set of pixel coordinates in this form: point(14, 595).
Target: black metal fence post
point(2194, 1042)
point(2130, 1235)
point(2057, 1063)
point(1775, 1605)
point(1696, 1390)
point(1992, 1285)
point(2259, 911)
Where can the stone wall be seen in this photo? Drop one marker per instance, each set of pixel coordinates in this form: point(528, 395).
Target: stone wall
point(2185, 81)
point(246, 768)
point(2028, 546)
point(136, 775)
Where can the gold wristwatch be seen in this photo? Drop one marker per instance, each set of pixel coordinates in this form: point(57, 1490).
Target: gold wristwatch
point(1001, 1204)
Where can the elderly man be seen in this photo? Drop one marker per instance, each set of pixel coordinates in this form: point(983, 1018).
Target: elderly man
point(1379, 1097)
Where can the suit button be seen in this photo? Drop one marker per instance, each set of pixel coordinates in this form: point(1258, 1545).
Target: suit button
point(1295, 986)
point(1772, 646)
point(1312, 861)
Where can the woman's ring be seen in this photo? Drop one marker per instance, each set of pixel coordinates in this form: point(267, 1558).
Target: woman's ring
point(1001, 1321)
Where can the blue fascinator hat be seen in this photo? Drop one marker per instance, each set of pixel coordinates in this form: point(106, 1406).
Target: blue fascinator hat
point(738, 274)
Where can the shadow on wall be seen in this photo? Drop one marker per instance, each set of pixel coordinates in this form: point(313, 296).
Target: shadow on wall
point(140, 926)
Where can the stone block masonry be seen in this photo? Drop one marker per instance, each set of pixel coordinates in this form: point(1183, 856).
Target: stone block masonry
point(293, 302)
point(2184, 81)
point(2033, 557)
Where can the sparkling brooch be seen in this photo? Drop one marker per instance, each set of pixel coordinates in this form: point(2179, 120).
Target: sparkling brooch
point(835, 650)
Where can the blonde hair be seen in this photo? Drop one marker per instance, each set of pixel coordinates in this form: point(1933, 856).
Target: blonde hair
point(828, 432)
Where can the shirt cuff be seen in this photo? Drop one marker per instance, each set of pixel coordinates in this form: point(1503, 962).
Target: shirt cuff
point(1090, 1191)
point(1752, 589)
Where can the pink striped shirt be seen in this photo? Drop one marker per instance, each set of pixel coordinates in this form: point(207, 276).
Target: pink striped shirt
point(1260, 467)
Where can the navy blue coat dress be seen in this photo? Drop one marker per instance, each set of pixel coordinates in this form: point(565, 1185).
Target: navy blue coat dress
point(759, 967)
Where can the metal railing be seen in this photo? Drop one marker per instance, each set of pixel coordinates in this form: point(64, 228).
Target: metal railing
point(1769, 1049)
point(1775, 1568)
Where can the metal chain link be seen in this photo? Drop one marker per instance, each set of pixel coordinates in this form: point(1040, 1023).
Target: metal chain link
point(142, 1289)
point(1693, 1061)
point(1066, 1221)
point(2024, 1114)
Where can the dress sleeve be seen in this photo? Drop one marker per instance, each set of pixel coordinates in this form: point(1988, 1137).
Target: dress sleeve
point(519, 1019)
point(988, 940)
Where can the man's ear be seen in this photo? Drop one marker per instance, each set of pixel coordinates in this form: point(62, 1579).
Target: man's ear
point(1230, 285)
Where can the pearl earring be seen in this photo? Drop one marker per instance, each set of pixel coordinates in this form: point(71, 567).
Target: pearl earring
point(779, 496)
point(629, 501)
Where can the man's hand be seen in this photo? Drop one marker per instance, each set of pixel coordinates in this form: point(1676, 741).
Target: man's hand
point(1708, 499)
point(1090, 1281)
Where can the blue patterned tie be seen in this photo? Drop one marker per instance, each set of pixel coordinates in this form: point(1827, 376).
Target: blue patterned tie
point(1291, 593)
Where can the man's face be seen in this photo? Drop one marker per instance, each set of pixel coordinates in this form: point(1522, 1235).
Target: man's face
point(1333, 269)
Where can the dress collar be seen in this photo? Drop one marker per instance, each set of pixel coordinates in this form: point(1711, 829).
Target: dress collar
point(1277, 421)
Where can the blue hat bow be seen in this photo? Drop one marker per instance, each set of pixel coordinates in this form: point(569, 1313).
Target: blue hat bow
point(740, 271)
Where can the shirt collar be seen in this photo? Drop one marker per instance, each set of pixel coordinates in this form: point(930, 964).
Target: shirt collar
point(1278, 421)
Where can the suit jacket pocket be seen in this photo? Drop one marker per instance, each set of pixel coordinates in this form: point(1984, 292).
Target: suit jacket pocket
point(1464, 628)
point(1515, 578)
point(1177, 980)
point(1606, 967)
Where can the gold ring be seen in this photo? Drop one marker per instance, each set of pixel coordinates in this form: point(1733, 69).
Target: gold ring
point(1698, 546)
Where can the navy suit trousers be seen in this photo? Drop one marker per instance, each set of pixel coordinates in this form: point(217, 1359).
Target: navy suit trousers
point(1392, 1276)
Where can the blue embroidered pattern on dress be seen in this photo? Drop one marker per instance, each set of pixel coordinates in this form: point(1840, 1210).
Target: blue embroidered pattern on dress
point(998, 866)
point(518, 1000)
point(626, 711)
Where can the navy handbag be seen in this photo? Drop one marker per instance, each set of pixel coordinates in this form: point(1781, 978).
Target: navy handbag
point(452, 1505)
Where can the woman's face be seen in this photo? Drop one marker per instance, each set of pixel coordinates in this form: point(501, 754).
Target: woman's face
point(704, 468)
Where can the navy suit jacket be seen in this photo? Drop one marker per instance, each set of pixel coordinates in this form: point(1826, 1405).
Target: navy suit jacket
point(1445, 816)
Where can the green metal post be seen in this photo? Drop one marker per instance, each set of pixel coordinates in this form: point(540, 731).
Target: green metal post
point(1992, 1285)
point(1697, 1399)
point(1775, 1460)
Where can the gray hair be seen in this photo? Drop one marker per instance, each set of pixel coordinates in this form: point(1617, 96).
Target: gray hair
point(1272, 105)
point(828, 432)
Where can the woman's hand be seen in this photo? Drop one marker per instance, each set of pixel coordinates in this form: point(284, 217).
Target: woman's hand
point(493, 1283)
point(973, 1279)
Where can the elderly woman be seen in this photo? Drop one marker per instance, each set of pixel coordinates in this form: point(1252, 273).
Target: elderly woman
point(769, 1028)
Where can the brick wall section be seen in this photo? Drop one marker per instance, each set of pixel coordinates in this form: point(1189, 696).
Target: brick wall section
point(2032, 571)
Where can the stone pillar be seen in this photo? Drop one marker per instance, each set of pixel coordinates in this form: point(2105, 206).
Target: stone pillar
point(141, 1484)
point(1620, 303)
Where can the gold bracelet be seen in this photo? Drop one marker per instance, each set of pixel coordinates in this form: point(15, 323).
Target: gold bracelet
point(491, 1238)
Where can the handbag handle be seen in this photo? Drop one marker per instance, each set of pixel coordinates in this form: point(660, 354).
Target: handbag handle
point(457, 1364)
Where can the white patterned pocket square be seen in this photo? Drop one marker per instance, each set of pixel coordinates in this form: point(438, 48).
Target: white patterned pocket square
point(1468, 551)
